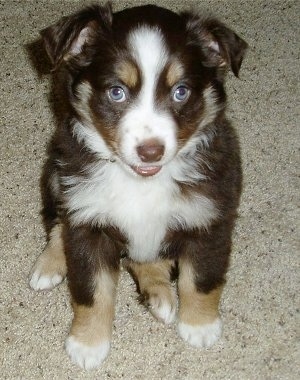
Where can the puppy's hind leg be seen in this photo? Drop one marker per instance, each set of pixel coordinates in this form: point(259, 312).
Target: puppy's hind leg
point(50, 268)
point(154, 285)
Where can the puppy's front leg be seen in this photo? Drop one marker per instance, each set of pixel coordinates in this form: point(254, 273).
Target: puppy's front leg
point(202, 272)
point(93, 267)
point(199, 322)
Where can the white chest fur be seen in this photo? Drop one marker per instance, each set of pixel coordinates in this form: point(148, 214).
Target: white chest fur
point(142, 208)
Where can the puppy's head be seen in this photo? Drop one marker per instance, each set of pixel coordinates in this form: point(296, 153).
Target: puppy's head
point(145, 82)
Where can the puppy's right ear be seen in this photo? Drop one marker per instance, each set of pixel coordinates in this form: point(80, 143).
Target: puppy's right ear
point(70, 37)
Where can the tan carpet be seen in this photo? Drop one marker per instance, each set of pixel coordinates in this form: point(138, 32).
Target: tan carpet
point(260, 306)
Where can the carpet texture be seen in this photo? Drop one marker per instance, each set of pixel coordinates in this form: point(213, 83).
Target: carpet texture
point(260, 305)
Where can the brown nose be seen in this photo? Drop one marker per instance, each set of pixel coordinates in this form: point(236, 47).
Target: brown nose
point(151, 150)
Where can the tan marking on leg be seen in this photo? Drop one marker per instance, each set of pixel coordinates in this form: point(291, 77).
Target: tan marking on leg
point(93, 325)
point(155, 286)
point(51, 264)
point(196, 308)
point(53, 254)
point(150, 274)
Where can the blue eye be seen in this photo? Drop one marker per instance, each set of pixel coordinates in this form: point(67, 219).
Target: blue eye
point(181, 93)
point(117, 94)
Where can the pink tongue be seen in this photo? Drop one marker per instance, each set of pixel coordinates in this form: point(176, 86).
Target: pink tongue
point(146, 171)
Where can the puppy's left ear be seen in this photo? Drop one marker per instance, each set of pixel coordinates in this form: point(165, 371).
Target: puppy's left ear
point(221, 46)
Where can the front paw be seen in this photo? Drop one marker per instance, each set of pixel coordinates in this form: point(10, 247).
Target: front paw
point(162, 308)
point(87, 357)
point(48, 271)
point(50, 268)
point(201, 335)
point(40, 281)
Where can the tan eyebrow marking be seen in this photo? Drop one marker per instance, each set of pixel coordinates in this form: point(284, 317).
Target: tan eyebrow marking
point(128, 73)
point(175, 72)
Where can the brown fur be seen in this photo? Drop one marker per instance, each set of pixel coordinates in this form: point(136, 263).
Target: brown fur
point(128, 73)
point(174, 73)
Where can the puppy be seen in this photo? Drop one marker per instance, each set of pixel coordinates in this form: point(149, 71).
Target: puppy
point(145, 165)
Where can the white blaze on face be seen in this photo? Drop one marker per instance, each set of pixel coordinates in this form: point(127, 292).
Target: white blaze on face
point(143, 120)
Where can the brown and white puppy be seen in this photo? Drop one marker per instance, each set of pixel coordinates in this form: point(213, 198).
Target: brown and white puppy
point(144, 163)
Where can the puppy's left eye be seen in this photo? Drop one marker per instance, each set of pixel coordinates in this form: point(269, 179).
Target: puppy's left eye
point(117, 94)
point(181, 93)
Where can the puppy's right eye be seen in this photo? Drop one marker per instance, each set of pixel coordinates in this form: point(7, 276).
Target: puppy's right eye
point(117, 94)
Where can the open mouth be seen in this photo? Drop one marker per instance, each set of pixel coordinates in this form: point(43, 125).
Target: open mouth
point(146, 171)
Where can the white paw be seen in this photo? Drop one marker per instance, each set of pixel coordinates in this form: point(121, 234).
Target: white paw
point(87, 357)
point(44, 282)
point(201, 335)
point(162, 310)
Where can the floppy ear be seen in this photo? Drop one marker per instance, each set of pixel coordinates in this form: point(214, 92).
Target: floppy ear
point(69, 37)
point(221, 46)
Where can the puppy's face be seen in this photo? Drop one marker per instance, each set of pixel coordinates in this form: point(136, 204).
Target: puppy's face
point(146, 102)
point(144, 82)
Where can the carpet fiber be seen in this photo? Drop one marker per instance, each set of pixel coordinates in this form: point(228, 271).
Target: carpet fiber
point(260, 305)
